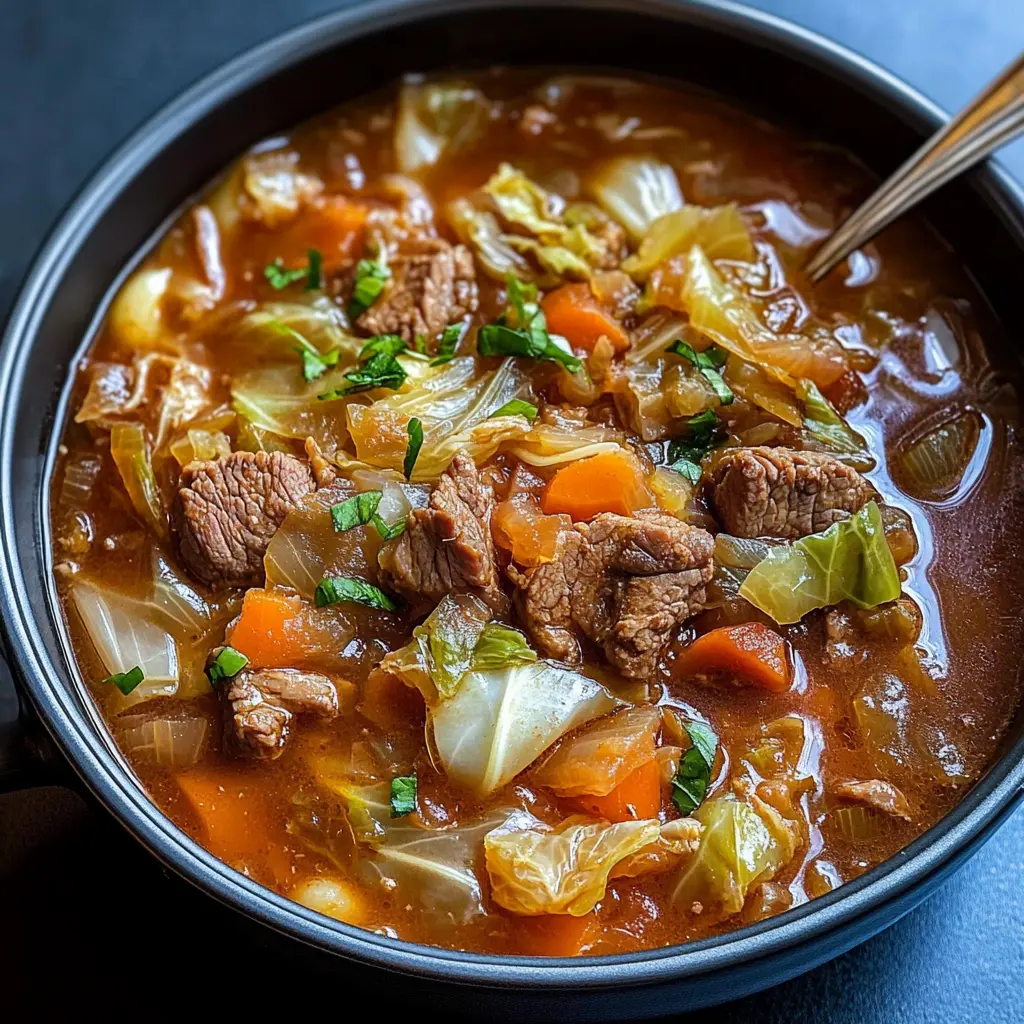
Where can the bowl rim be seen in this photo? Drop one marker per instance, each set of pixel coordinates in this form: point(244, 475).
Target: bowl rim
point(927, 856)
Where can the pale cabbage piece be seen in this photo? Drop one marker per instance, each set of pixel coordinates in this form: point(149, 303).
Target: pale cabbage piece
point(500, 721)
point(181, 608)
point(595, 759)
point(719, 230)
point(480, 231)
point(272, 327)
point(435, 119)
point(274, 186)
point(826, 431)
point(185, 396)
point(117, 389)
point(762, 388)
point(535, 869)
point(547, 444)
point(171, 742)
point(137, 314)
point(636, 191)
point(849, 561)
point(131, 455)
point(200, 445)
point(744, 842)
point(453, 405)
point(124, 634)
point(677, 840)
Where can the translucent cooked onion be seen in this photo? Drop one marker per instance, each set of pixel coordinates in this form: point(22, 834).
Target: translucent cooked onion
point(136, 316)
point(934, 465)
point(130, 453)
point(184, 611)
point(171, 742)
point(857, 823)
point(655, 333)
point(124, 634)
point(80, 472)
point(200, 445)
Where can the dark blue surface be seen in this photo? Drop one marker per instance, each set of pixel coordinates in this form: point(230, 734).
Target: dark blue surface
point(75, 77)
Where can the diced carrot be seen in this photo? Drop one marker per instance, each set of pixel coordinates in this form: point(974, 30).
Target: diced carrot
point(389, 703)
point(234, 819)
point(555, 934)
point(636, 797)
point(523, 530)
point(575, 313)
point(332, 225)
point(610, 482)
point(750, 651)
point(269, 632)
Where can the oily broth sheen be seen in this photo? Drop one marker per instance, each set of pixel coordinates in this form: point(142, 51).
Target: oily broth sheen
point(916, 311)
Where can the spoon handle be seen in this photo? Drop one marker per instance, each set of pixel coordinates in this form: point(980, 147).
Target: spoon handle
point(995, 117)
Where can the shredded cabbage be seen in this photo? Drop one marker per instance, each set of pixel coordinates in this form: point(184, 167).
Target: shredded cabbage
point(636, 191)
point(434, 119)
point(480, 230)
point(744, 842)
point(934, 465)
point(718, 230)
point(183, 610)
point(130, 453)
point(500, 720)
point(549, 445)
point(538, 870)
point(171, 742)
point(849, 561)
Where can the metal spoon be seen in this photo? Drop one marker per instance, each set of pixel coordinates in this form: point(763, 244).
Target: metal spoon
point(994, 117)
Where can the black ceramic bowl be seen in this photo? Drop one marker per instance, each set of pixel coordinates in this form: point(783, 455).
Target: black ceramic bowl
point(765, 64)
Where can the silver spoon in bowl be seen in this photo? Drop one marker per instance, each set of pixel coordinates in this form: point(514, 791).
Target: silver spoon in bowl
point(993, 118)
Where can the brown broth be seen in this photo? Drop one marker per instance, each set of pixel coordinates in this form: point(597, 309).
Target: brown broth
point(925, 335)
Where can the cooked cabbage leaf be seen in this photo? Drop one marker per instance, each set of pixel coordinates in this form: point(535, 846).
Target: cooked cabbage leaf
point(744, 842)
point(825, 430)
point(538, 870)
point(849, 561)
point(636, 191)
point(436, 118)
point(718, 230)
point(500, 720)
point(131, 455)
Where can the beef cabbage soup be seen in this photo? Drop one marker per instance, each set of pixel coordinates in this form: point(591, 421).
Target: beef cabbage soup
point(474, 528)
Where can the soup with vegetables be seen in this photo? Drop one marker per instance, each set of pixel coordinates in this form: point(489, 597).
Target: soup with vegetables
point(474, 528)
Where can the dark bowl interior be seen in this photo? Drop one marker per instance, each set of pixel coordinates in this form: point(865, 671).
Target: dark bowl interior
point(779, 72)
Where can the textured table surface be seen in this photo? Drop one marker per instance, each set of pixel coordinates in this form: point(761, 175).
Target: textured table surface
point(77, 894)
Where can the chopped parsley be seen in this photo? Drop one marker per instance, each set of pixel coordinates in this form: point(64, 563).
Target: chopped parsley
point(336, 589)
point(709, 363)
point(126, 681)
point(450, 338)
point(228, 663)
point(704, 433)
point(412, 449)
point(381, 370)
point(312, 273)
point(517, 407)
point(371, 276)
point(690, 783)
point(357, 511)
point(403, 795)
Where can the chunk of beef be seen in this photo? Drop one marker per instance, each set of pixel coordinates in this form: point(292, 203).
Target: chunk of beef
point(433, 284)
point(227, 510)
point(625, 582)
point(263, 702)
point(447, 546)
point(779, 492)
point(876, 793)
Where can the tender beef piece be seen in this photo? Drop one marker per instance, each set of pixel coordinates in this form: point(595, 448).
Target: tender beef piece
point(779, 492)
point(227, 510)
point(447, 546)
point(625, 582)
point(262, 703)
point(877, 793)
point(433, 284)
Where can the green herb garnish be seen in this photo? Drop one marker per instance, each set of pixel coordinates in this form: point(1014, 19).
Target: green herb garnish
point(710, 363)
point(685, 453)
point(228, 663)
point(357, 511)
point(280, 278)
point(450, 338)
point(371, 276)
point(392, 344)
point(381, 370)
point(412, 449)
point(690, 783)
point(126, 681)
point(389, 532)
point(335, 589)
point(522, 331)
point(403, 795)
point(517, 407)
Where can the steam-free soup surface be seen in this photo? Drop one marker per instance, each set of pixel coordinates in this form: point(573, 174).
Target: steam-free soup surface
point(473, 527)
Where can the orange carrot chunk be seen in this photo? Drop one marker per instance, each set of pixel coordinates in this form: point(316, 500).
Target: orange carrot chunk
point(750, 651)
point(269, 631)
point(555, 934)
point(575, 313)
point(636, 797)
point(610, 482)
